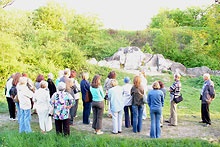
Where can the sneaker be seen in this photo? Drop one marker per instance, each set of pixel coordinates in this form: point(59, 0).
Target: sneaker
point(99, 132)
point(94, 132)
point(76, 116)
point(207, 125)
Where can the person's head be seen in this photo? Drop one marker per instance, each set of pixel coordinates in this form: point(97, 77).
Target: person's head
point(24, 74)
point(156, 85)
point(96, 81)
point(112, 75)
point(126, 80)
point(72, 74)
point(61, 86)
point(66, 72)
point(137, 81)
point(206, 76)
point(85, 76)
point(114, 82)
point(177, 77)
point(161, 84)
point(16, 78)
point(43, 84)
point(142, 72)
point(23, 81)
point(39, 78)
point(50, 76)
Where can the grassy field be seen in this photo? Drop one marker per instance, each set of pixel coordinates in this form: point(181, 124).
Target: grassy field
point(187, 110)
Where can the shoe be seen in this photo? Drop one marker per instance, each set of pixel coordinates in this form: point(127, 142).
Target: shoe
point(99, 132)
point(109, 115)
point(201, 121)
point(119, 131)
point(171, 125)
point(94, 132)
point(76, 116)
point(167, 121)
point(114, 133)
point(207, 125)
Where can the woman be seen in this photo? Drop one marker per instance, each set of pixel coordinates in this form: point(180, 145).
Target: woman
point(126, 92)
point(137, 93)
point(174, 90)
point(107, 86)
point(51, 86)
point(97, 104)
point(76, 91)
point(85, 86)
point(61, 102)
point(10, 94)
point(116, 107)
point(162, 88)
point(24, 96)
point(155, 101)
point(42, 102)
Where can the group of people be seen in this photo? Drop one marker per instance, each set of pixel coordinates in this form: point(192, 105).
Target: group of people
point(60, 101)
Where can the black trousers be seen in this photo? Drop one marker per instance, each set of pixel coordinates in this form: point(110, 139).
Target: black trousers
point(62, 126)
point(205, 113)
point(11, 107)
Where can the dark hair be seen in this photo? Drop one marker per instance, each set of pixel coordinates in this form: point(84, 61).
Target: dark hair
point(161, 84)
point(16, 78)
point(39, 78)
point(96, 81)
point(112, 75)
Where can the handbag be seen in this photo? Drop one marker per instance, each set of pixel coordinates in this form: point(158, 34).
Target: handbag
point(178, 99)
point(88, 97)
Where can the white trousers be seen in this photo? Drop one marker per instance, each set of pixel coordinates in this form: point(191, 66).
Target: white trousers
point(117, 121)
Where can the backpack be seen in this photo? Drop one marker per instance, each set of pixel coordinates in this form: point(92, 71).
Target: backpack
point(13, 91)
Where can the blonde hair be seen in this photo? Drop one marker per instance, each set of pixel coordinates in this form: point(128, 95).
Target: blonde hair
point(177, 76)
point(114, 82)
point(23, 80)
point(43, 84)
point(156, 85)
point(85, 75)
point(206, 75)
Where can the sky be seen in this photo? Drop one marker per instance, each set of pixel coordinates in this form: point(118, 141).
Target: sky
point(118, 14)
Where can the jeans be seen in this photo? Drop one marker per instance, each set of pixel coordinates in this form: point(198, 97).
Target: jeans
point(128, 123)
point(25, 118)
point(137, 117)
point(155, 115)
point(98, 109)
point(18, 111)
point(86, 112)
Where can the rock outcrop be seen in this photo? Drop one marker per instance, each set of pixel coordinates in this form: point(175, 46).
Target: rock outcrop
point(132, 58)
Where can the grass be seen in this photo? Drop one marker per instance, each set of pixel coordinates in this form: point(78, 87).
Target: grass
point(187, 110)
point(82, 139)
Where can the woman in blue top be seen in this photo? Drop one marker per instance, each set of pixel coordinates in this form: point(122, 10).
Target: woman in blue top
point(97, 104)
point(155, 101)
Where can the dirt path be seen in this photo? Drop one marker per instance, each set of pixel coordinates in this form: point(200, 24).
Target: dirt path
point(187, 128)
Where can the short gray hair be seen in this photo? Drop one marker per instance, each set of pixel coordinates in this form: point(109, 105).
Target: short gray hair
point(61, 86)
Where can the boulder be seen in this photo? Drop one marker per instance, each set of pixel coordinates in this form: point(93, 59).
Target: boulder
point(198, 71)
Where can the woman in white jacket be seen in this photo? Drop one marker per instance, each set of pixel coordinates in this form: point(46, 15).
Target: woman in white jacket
point(43, 106)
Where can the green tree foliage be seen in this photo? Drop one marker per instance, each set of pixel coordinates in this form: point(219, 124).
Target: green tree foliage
point(189, 36)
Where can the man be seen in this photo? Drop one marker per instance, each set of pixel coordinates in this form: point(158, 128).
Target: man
point(207, 93)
